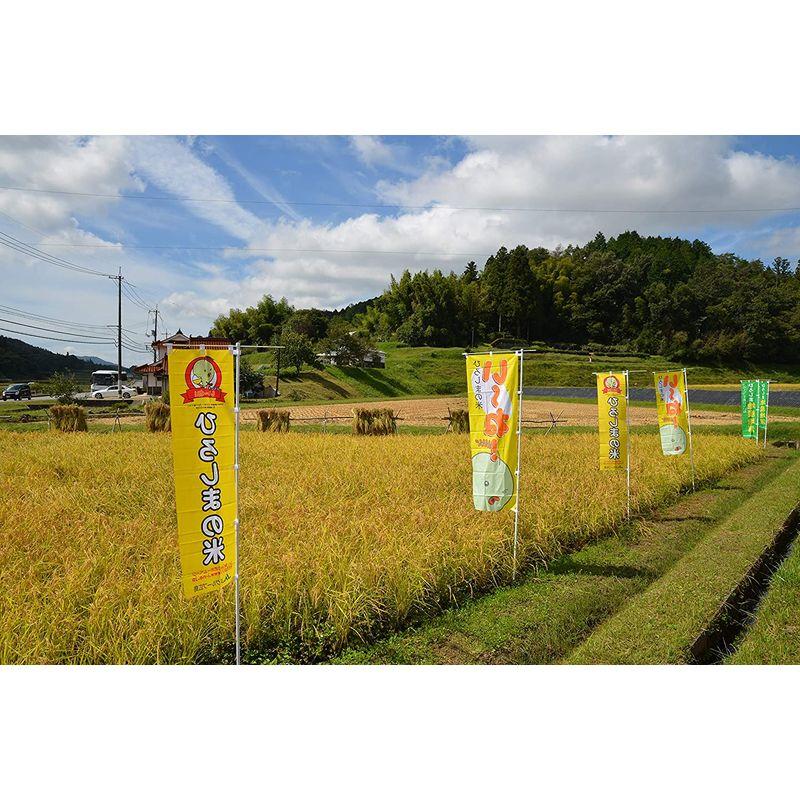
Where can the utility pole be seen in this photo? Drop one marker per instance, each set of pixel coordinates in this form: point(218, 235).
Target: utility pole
point(155, 333)
point(118, 278)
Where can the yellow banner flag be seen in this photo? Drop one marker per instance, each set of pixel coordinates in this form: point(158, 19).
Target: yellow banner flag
point(201, 395)
point(673, 422)
point(494, 407)
point(612, 414)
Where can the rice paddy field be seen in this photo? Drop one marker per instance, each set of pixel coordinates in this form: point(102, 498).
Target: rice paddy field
point(343, 538)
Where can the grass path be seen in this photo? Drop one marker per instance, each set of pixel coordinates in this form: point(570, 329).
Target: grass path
point(659, 625)
point(544, 617)
point(774, 637)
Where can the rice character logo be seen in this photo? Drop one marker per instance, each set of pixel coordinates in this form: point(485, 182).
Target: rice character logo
point(611, 385)
point(492, 483)
point(203, 379)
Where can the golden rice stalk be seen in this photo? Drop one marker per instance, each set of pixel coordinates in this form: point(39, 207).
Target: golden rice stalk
point(459, 420)
point(374, 422)
point(157, 417)
point(347, 537)
point(272, 419)
point(69, 418)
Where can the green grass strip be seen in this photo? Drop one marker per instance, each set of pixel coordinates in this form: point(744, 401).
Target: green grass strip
point(541, 619)
point(774, 637)
point(658, 626)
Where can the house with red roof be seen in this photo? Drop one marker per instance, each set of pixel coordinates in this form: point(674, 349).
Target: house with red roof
point(155, 376)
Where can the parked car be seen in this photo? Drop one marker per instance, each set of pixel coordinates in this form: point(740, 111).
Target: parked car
point(17, 391)
point(110, 393)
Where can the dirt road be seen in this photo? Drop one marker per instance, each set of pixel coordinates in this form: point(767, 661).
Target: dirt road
point(434, 412)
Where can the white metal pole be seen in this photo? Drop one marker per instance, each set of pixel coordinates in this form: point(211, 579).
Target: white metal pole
point(237, 355)
point(519, 458)
point(628, 439)
point(689, 422)
point(766, 414)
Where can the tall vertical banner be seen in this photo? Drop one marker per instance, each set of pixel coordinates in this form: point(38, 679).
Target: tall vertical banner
point(612, 412)
point(763, 406)
point(494, 407)
point(751, 405)
point(673, 421)
point(201, 394)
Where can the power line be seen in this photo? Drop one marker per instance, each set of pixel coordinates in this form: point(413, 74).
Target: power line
point(19, 312)
point(428, 207)
point(22, 224)
point(29, 250)
point(129, 296)
point(55, 330)
point(273, 249)
point(52, 338)
point(146, 299)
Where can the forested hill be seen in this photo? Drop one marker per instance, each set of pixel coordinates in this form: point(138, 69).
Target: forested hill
point(22, 361)
point(650, 294)
point(656, 295)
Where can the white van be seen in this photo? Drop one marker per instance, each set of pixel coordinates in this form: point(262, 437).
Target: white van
point(104, 379)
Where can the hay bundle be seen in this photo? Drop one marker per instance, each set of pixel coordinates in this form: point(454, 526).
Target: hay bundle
point(157, 417)
point(68, 418)
point(374, 421)
point(459, 421)
point(273, 419)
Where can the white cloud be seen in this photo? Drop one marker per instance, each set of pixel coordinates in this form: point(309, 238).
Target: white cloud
point(68, 164)
point(599, 178)
point(594, 179)
point(173, 167)
point(372, 151)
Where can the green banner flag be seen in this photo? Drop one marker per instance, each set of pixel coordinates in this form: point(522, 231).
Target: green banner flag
point(750, 409)
point(763, 404)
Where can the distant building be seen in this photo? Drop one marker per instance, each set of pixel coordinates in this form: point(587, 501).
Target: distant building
point(372, 358)
point(155, 376)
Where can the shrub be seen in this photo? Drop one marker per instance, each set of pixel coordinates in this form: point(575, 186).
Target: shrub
point(157, 417)
point(459, 421)
point(68, 418)
point(63, 386)
point(272, 419)
point(374, 421)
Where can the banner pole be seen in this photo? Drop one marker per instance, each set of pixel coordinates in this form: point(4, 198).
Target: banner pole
point(689, 422)
point(521, 354)
point(766, 414)
point(238, 354)
point(628, 438)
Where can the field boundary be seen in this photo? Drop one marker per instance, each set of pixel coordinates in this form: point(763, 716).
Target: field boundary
point(736, 613)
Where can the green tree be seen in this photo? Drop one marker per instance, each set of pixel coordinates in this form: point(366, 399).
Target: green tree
point(310, 322)
point(259, 324)
point(298, 350)
point(250, 378)
point(470, 273)
point(63, 386)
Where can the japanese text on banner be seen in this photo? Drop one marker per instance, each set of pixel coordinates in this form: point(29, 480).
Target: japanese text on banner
point(612, 413)
point(201, 394)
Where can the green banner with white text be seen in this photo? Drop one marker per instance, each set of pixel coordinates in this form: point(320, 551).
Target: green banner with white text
point(755, 407)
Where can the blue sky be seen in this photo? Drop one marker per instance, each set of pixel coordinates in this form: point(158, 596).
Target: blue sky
point(335, 216)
